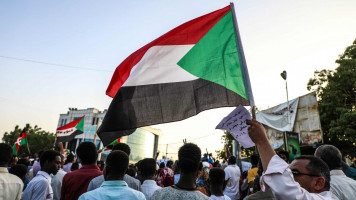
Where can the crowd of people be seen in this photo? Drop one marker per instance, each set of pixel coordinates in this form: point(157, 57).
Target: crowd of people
point(54, 175)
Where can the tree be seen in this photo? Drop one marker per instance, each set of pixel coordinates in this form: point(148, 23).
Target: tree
point(227, 139)
point(38, 139)
point(336, 92)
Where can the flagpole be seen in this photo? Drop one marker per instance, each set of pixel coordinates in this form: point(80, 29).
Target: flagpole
point(243, 62)
point(243, 65)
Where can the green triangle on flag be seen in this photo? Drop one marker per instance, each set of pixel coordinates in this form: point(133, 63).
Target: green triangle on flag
point(215, 57)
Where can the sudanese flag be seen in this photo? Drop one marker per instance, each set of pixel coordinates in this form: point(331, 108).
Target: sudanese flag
point(197, 66)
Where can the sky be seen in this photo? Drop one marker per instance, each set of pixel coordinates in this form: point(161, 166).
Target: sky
point(87, 40)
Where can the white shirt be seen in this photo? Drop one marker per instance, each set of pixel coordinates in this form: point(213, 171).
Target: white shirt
point(213, 197)
point(232, 190)
point(280, 179)
point(10, 185)
point(341, 186)
point(39, 187)
point(56, 184)
point(148, 187)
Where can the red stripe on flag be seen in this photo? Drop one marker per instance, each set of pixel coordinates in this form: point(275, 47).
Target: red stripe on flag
point(188, 33)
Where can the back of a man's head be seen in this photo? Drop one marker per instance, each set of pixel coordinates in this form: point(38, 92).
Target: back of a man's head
point(216, 176)
point(20, 170)
point(232, 160)
point(189, 158)
point(117, 163)
point(5, 154)
point(122, 147)
point(148, 167)
point(330, 155)
point(254, 160)
point(87, 153)
point(317, 166)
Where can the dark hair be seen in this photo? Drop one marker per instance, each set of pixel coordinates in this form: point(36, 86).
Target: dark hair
point(49, 155)
point(169, 164)
point(117, 163)
point(87, 153)
point(216, 164)
point(254, 159)
point(232, 160)
point(74, 166)
point(216, 176)
point(6, 154)
point(285, 153)
point(19, 170)
point(131, 171)
point(70, 158)
point(317, 166)
point(122, 147)
point(162, 165)
point(330, 155)
point(148, 167)
point(24, 161)
point(189, 158)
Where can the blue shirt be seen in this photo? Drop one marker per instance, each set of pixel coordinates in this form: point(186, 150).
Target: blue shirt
point(39, 187)
point(113, 190)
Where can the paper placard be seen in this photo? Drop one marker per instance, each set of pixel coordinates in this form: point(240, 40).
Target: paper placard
point(235, 123)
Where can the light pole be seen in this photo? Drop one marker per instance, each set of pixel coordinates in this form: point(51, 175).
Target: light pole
point(284, 76)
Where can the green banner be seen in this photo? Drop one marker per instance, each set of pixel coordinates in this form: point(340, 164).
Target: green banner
point(292, 144)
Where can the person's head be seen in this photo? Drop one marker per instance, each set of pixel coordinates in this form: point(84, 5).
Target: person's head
point(74, 166)
point(189, 158)
point(217, 179)
point(254, 160)
point(24, 161)
point(232, 160)
point(122, 147)
point(5, 155)
point(116, 166)
point(330, 155)
point(13, 161)
point(19, 170)
point(162, 165)
point(170, 164)
point(50, 161)
point(70, 158)
point(217, 164)
point(148, 168)
point(284, 155)
point(87, 153)
point(311, 173)
point(131, 171)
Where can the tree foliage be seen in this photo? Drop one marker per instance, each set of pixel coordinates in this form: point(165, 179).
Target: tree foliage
point(336, 92)
point(38, 139)
point(227, 140)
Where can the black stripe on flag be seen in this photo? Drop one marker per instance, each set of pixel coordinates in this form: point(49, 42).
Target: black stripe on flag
point(139, 106)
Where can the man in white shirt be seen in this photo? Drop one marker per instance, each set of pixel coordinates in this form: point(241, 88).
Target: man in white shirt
point(10, 185)
point(40, 186)
point(148, 172)
point(57, 180)
point(306, 178)
point(232, 172)
point(342, 187)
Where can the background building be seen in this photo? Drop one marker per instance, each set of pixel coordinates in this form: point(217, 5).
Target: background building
point(143, 142)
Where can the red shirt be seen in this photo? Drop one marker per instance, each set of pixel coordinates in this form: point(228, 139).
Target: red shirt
point(76, 183)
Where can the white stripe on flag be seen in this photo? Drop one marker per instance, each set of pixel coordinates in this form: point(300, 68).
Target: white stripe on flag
point(159, 65)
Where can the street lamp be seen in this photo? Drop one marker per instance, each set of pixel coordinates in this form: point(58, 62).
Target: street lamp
point(284, 76)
